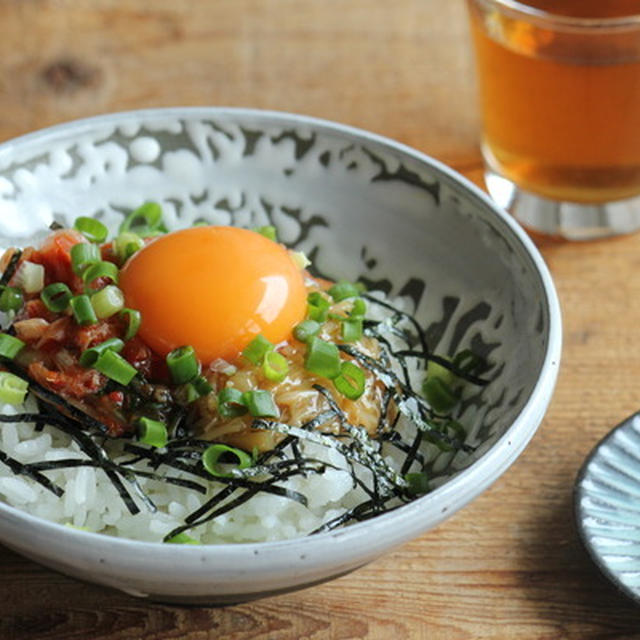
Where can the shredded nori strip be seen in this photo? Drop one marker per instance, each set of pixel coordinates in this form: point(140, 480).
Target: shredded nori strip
point(10, 271)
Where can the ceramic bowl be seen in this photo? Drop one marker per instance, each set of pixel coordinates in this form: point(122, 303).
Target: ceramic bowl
point(363, 207)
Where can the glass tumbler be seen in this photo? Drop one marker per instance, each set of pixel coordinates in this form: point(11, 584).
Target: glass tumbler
point(560, 109)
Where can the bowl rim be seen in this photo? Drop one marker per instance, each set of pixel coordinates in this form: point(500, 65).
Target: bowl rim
point(497, 459)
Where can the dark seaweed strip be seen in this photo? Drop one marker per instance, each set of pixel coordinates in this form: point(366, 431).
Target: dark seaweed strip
point(401, 361)
point(400, 398)
point(361, 445)
point(251, 491)
point(360, 512)
point(383, 420)
point(394, 439)
point(69, 463)
point(419, 331)
point(447, 364)
point(411, 454)
point(87, 446)
point(19, 468)
point(11, 267)
point(56, 401)
point(354, 452)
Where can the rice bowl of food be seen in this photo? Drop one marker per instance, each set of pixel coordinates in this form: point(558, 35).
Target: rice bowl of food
point(244, 352)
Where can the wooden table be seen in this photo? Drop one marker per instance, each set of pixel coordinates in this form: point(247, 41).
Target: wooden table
point(508, 566)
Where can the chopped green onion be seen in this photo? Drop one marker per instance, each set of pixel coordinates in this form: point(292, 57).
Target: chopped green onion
point(359, 308)
point(418, 483)
point(145, 220)
point(268, 231)
point(126, 244)
point(82, 310)
point(344, 289)
point(92, 229)
point(212, 455)
point(195, 389)
point(322, 358)
point(257, 349)
point(202, 386)
point(83, 255)
point(351, 329)
point(275, 366)
point(260, 403)
point(13, 389)
point(134, 318)
point(90, 356)
point(11, 299)
point(115, 367)
point(107, 302)
point(467, 361)
point(102, 269)
point(306, 330)
point(30, 277)
point(231, 403)
point(182, 538)
point(152, 432)
point(439, 394)
point(56, 296)
point(317, 306)
point(350, 382)
point(10, 346)
point(183, 364)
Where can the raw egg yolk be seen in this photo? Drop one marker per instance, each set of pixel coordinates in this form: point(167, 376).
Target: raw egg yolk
point(214, 288)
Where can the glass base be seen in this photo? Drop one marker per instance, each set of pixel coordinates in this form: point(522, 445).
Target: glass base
point(569, 220)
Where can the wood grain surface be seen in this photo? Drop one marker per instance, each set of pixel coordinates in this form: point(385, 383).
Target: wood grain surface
point(509, 566)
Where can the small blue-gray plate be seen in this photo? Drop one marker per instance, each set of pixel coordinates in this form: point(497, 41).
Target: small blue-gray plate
point(607, 506)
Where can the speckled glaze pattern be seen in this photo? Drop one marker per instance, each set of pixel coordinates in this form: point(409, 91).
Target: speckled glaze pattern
point(361, 207)
point(607, 506)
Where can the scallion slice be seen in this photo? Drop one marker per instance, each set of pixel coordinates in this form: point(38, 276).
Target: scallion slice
point(11, 299)
point(107, 302)
point(145, 220)
point(351, 329)
point(182, 538)
point(439, 394)
point(115, 367)
point(418, 483)
point(202, 386)
point(83, 255)
point(126, 244)
point(306, 330)
point(351, 381)
point(268, 231)
point(82, 310)
point(13, 389)
point(231, 403)
point(134, 318)
point(261, 404)
point(152, 432)
point(275, 366)
point(90, 356)
point(257, 349)
point(56, 296)
point(92, 229)
point(317, 306)
point(344, 289)
point(99, 270)
point(322, 358)
point(212, 455)
point(183, 364)
point(10, 346)
point(358, 309)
